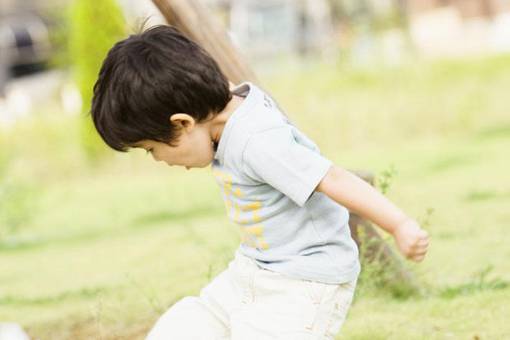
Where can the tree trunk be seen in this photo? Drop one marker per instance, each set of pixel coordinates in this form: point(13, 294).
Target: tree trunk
point(194, 20)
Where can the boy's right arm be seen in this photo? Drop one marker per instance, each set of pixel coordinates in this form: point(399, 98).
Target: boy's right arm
point(361, 198)
point(279, 157)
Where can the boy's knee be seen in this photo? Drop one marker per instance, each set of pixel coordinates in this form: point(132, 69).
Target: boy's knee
point(189, 319)
point(175, 321)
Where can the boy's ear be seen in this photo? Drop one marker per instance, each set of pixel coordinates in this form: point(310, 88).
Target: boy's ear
point(183, 121)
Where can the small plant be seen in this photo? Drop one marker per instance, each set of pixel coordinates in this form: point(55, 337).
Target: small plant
point(380, 273)
point(149, 295)
point(384, 180)
point(425, 221)
point(97, 314)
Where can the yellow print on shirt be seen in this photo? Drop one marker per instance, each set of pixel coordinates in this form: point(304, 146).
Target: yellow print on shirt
point(252, 235)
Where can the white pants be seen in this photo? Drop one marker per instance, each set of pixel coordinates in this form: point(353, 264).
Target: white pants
point(246, 302)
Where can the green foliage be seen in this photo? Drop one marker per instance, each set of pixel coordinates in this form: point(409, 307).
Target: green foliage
point(380, 274)
point(384, 179)
point(95, 26)
point(425, 221)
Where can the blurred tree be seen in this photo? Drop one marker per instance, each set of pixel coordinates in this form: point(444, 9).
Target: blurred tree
point(94, 27)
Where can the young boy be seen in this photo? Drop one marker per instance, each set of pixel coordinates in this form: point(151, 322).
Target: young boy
point(294, 274)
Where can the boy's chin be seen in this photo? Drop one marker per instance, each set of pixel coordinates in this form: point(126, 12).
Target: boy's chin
point(201, 165)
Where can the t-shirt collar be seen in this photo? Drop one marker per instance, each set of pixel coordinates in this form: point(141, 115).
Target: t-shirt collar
point(253, 92)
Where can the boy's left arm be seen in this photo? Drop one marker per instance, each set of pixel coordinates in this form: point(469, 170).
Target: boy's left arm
point(361, 198)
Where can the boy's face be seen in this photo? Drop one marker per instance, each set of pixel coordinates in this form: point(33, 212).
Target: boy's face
point(193, 149)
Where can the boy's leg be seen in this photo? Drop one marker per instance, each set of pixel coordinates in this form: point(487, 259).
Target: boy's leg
point(285, 308)
point(189, 319)
point(207, 316)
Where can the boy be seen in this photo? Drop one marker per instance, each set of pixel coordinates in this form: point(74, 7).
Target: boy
point(294, 274)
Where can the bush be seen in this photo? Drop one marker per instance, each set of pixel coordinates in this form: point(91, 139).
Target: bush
point(94, 27)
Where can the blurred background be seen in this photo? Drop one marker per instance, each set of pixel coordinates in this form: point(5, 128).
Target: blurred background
point(96, 244)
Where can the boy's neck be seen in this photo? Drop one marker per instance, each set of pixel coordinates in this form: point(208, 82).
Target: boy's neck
point(217, 124)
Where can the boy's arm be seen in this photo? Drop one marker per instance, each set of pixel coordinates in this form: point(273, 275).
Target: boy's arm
point(361, 198)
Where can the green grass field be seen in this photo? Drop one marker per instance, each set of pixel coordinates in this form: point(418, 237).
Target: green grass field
point(98, 252)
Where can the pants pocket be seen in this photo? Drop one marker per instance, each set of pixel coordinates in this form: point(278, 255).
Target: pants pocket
point(341, 303)
point(285, 301)
point(316, 291)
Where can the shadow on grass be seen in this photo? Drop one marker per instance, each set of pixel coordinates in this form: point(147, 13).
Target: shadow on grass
point(479, 282)
point(169, 216)
point(161, 219)
point(494, 131)
point(83, 293)
point(485, 195)
point(447, 162)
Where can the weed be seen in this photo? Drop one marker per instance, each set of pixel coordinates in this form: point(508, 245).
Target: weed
point(382, 272)
point(384, 180)
point(149, 295)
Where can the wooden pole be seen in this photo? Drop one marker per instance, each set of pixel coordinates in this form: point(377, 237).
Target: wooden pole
point(195, 21)
point(373, 248)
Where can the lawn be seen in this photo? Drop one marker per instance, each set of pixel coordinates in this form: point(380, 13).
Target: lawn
point(99, 251)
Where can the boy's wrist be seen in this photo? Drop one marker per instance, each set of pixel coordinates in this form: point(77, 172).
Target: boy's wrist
point(401, 224)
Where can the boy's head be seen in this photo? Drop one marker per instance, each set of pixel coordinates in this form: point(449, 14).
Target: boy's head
point(153, 91)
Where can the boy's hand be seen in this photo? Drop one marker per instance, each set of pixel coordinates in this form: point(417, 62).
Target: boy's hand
point(412, 241)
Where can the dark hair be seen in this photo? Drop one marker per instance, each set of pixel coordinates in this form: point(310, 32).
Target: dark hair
point(149, 76)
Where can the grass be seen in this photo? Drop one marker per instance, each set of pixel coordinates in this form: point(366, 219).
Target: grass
point(99, 252)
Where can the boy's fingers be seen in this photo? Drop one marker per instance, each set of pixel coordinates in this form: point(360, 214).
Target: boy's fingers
point(423, 243)
point(420, 245)
point(418, 258)
point(423, 240)
point(424, 234)
point(416, 252)
point(423, 247)
point(419, 248)
point(421, 252)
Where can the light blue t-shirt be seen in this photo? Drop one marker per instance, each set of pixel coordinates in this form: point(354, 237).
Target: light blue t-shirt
point(268, 171)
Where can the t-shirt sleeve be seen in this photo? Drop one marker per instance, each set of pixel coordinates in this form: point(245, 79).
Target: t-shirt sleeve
point(287, 160)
